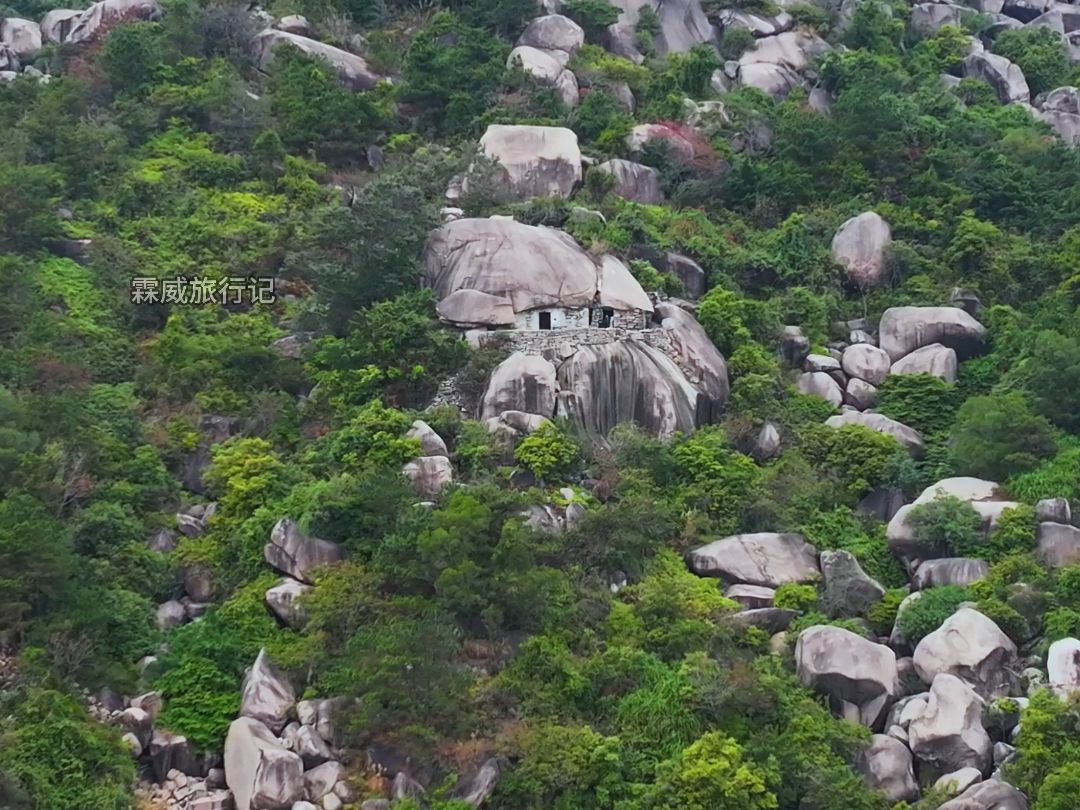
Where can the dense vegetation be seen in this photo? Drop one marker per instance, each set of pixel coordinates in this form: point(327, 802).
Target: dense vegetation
point(164, 146)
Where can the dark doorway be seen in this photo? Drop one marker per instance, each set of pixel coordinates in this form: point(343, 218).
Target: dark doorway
point(607, 315)
point(545, 320)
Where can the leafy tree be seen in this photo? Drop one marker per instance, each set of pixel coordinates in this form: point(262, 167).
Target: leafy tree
point(997, 435)
point(546, 450)
point(921, 401)
point(1040, 53)
point(1052, 375)
point(711, 774)
point(927, 613)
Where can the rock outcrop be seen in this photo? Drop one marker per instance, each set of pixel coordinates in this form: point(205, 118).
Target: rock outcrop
point(988, 795)
point(1006, 78)
point(948, 733)
point(902, 330)
point(866, 362)
point(698, 354)
point(948, 571)
point(1058, 544)
point(764, 558)
point(970, 646)
point(849, 591)
point(429, 475)
point(1063, 667)
point(934, 359)
point(294, 553)
point(861, 247)
point(533, 161)
point(284, 600)
point(101, 16)
point(262, 773)
point(908, 438)
point(886, 765)
point(352, 70)
point(634, 182)
point(858, 676)
point(682, 25)
point(266, 694)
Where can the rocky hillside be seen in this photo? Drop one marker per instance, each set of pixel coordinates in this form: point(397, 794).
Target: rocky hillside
point(560, 405)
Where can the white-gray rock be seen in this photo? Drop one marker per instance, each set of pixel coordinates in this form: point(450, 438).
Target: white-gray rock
point(933, 359)
point(1053, 510)
point(431, 443)
point(763, 558)
point(56, 24)
point(861, 246)
point(886, 765)
point(312, 748)
point(958, 781)
point(170, 614)
point(352, 70)
point(768, 443)
point(908, 438)
point(478, 788)
point(970, 646)
point(22, 37)
point(633, 181)
point(106, 13)
point(1006, 78)
point(858, 676)
point(820, 384)
point(260, 771)
point(547, 68)
point(988, 795)
point(1059, 544)
point(902, 330)
point(266, 694)
point(849, 591)
point(294, 24)
point(860, 394)
point(321, 779)
point(534, 161)
point(866, 362)
point(697, 353)
point(284, 600)
point(521, 382)
point(751, 597)
point(949, 734)
point(1063, 667)
point(553, 32)
point(949, 571)
point(683, 25)
point(429, 475)
point(928, 18)
point(294, 553)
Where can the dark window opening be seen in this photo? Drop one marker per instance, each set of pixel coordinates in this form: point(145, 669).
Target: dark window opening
point(545, 320)
point(607, 316)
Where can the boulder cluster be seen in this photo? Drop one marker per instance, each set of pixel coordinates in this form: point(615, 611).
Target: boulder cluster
point(935, 708)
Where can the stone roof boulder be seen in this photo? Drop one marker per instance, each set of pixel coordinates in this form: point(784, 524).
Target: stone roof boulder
point(948, 733)
point(972, 647)
point(902, 330)
point(934, 359)
point(858, 676)
point(529, 266)
point(886, 765)
point(98, 18)
point(633, 181)
point(294, 553)
point(266, 694)
point(1006, 78)
point(352, 70)
point(696, 352)
point(260, 771)
point(533, 161)
point(521, 382)
point(861, 246)
point(769, 559)
point(908, 438)
point(603, 385)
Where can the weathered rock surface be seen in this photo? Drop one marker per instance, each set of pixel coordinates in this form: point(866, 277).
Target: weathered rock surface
point(478, 788)
point(763, 558)
point(970, 646)
point(902, 330)
point(1053, 510)
point(849, 590)
point(886, 765)
point(1059, 544)
point(628, 381)
point(858, 676)
point(101, 16)
point(521, 382)
point(170, 614)
point(949, 571)
point(928, 18)
point(678, 145)
point(56, 24)
point(949, 733)
point(553, 32)
point(429, 475)
point(908, 438)
point(933, 359)
point(284, 600)
point(262, 773)
point(682, 23)
point(988, 795)
point(820, 384)
point(169, 751)
point(21, 37)
point(860, 394)
point(698, 354)
point(866, 362)
point(861, 246)
point(751, 597)
point(266, 694)
point(294, 553)
point(352, 70)
point(958, 781)
point(1063, 667)
point(534, 161)
point(431, 443)
point(547, 68)
point(1006, 78)
point(633, 181)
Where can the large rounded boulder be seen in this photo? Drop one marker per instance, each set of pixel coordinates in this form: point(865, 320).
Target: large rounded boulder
point(261, 772)
point(902, 330)
point(861, 247)
point(886, 765)
point(768, 559)
point(521, 382)
point(533, 161)
point(859, 677)
point(947, 732)
point(972, 647)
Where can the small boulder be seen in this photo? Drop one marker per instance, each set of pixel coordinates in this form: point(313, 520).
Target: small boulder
point(321, 779)
point(934, 359)
point(908, 438)
point(431, 443)
point(312, 748)
point(478, 788)
point(858, 676)
point(820, 384)
point(522, 382)
point(139, 723)
point(352, 71)
point(849, 591)
point(958, 781)
point(1058, 544)
point(294, 553)
point(988, 795)
point(168, 752)
point(794, 346)
point(284, 600)
point(261, 772)
point(886, 765)
point(266, 694)
point(768, 443)
point(861, 246)
point(294, 24)
point(948, 571)
point(1053, 510)
point(170, 614)
point(969, 646)
point(1006, 78)
point(949, 733)
point(751, 596)
point(860, 394)
point(763, 558)
point(640, 184)
point(1063, 667)
point(429, 475)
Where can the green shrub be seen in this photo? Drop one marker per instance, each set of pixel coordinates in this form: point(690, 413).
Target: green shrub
point(927, 613)
point(1040, 53)
point(997, 435)
point(947, 524)
point(594, 16)
point(921, 401)
point(546, 450)
point(797, 597)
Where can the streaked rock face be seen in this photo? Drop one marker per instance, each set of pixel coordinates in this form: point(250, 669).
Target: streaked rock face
point(858, 676)
point(948, 733)
point(533, 161)
point(352, 70)
point(861, 247)
point(261, 772)
point(768, 559)
point(294, 553)
point(107, 12)
point(970, 646)
point(886, 765)
point(902, 330)
point(266, 694)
